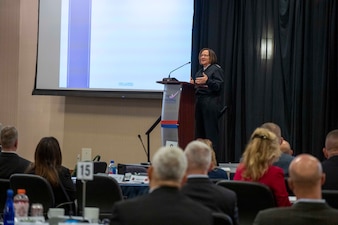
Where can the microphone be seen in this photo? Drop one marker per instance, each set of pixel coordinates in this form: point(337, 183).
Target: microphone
point(144, 148)
point(174, 79)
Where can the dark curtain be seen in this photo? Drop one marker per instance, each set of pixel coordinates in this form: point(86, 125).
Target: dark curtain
point(280, 62)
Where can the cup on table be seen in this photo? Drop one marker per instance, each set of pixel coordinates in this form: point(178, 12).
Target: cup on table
point(91, 214)
point(55, 212)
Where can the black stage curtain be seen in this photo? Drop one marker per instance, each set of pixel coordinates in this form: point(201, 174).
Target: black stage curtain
point(280, 62)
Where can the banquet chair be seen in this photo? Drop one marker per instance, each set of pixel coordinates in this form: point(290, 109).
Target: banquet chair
point(38, 189)
point(331, 197)
point(102, 192)
point(4, 186)
point(251, 198)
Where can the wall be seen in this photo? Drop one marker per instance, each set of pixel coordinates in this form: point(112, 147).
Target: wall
point(108, 126)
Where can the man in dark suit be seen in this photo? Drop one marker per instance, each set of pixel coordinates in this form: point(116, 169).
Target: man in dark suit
point(10, 161)
point(330, 166)
point(200, 188)
point(165, 204)
point(306, 178)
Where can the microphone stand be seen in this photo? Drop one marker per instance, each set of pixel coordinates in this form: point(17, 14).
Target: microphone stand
point(148, 136)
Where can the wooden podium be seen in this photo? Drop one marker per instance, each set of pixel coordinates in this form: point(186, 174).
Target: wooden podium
point(178, 113)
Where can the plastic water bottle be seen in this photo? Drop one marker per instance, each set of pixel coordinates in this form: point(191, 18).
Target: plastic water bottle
point(21, 204)
point(112, 168)
point(9, 209)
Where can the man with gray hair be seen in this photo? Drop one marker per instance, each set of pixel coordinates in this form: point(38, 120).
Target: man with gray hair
point(306, 179)
point(165, 204)
point(10, 161)
point(200, 188)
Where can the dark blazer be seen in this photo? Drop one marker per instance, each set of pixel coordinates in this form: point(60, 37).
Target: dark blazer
point(216, 198)
point(66, 191)
point(11, 163)
point(330, 168)
point(163, 206)
point(301, 213)
point(68, 185)
point(284, 163)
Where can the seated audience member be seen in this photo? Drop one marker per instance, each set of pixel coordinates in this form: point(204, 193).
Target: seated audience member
point(215, 172)
point(330, 165)
point(285, 159)
point(10, 161)
point(260, 153)
point(306, 178)
point(200, 188)
point(165, 204)
point(48, 164)
point(286, 148)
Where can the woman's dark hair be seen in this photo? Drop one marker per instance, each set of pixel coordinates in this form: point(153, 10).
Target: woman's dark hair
point(48, 160)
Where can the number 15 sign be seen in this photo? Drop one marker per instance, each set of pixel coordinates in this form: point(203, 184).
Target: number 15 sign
point(84, 171)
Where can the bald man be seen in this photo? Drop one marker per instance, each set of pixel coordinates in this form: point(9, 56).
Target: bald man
point(286, 148)
point(306, 178)
point(330, 165)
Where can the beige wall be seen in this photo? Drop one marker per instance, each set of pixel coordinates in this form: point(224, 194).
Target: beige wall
point(109, 126)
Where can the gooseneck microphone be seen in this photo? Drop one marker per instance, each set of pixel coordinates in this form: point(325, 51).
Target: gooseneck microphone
point(178, 68)
point(174, 79)
point(144, 148)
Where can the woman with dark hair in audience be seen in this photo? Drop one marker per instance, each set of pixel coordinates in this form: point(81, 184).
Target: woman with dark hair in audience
point(256, 164)
point(48, 160)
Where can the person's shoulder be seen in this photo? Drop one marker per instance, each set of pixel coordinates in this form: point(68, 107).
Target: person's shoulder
point(271, 213)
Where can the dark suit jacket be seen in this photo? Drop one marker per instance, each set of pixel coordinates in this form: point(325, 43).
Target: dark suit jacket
point(330, 168)
point(301, 213)
point(66, 192)
point(217, 198)
point(284, 163)
point(163, 206)
point(11, 163)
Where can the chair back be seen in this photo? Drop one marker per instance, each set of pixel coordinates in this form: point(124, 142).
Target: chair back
point(38, 189)
point(99, 167)
point(4, 186)
point(331, 197)
point(102, 192)
point(251, 198)
point(221, 219)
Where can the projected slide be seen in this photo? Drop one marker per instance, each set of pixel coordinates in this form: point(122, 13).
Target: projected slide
point(113, 45)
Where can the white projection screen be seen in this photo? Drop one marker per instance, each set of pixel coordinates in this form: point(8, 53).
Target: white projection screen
point(112, 48)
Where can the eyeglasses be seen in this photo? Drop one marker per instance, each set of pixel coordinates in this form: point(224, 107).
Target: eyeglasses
point(204, 55)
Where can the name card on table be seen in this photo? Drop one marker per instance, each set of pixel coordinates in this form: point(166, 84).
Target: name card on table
point(117, 177)
point(139, 179)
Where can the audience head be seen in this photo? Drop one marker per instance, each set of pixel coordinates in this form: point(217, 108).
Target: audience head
point(48, 159)
point(286, 148)
point(199, 157)
point(331, 144)
point(274, 128)
point(9, 138)
point(48, 152)
point(213, 155)
point(262, 150)
point(168, 167)
point(306, 176)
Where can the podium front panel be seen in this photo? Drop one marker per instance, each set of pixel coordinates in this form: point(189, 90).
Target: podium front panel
point(170, 110)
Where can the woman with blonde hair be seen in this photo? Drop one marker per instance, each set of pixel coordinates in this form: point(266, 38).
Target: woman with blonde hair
point(261, 152)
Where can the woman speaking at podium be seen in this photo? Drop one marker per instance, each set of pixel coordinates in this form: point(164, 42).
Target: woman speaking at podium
point(209, 81)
